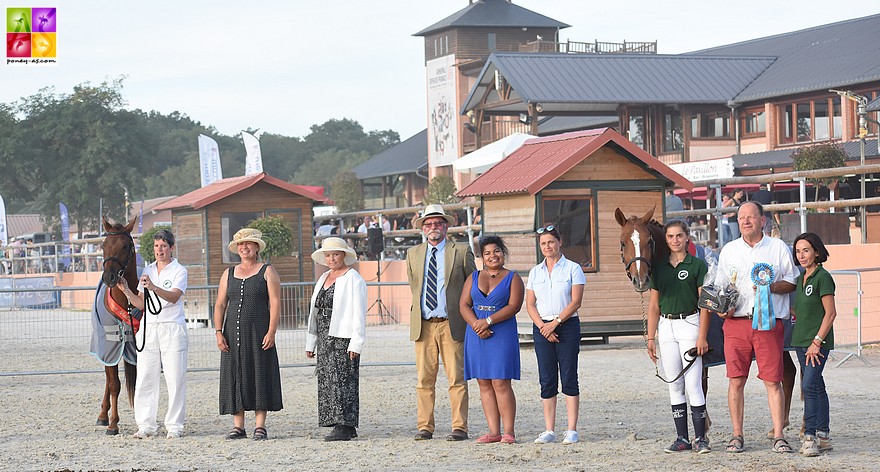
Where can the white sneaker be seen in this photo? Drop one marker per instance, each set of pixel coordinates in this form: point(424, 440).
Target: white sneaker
point(144, 433)
point(173, 435)
point(570, 437)
point(546, 437)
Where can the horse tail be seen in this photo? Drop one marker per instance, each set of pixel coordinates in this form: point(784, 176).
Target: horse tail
point(130, 380)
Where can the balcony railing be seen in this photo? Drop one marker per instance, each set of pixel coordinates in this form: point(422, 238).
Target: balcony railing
point(595, 47)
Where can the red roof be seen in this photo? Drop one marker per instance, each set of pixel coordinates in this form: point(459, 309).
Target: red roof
point(225, 187)
point(540, 161)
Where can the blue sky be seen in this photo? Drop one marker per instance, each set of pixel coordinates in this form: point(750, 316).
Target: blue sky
point(284, 66)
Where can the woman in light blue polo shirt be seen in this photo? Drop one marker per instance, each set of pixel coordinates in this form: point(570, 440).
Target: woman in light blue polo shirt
point(553, 296)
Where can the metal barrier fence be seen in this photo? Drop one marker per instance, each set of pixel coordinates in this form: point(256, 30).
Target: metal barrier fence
point(857, 299)
point(55, 338)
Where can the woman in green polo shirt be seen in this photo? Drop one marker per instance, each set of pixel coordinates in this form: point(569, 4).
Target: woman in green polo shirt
point(813, 338)
point(676, 325)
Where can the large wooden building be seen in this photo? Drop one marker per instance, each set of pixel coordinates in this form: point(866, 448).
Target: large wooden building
point(576, 181)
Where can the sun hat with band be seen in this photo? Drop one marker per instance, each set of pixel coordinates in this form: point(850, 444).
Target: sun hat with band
point(334, 244)
point(432, 211)
point(245, 235)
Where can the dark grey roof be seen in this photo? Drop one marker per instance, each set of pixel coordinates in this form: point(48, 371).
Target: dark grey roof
point(782, 157)
point(493, 13)
point(874, 105)
point(599, 83)
point(562, 124)
point(409, 156)
point(814, 59)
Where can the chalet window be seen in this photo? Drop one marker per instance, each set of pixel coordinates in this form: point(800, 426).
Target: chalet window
point(573, 217)
point(673, 135)
point(754, 122)
point(636, 128)
point(810, 120)
point(713, 124)
point(230, 223)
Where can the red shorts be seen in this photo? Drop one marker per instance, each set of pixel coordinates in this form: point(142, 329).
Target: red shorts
point(741, 341)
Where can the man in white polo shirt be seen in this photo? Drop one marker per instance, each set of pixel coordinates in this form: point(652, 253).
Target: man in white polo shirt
point(763, 271)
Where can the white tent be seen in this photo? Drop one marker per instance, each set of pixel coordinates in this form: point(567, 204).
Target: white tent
point(487, 156)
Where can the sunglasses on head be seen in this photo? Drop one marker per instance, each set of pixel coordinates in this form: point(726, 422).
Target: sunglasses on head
point(545, 229)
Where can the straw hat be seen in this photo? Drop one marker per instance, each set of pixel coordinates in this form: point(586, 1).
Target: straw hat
point(246, 235)
point(334, 244)
point(432, 211)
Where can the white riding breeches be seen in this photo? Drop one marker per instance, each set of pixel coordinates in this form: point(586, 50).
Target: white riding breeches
point(165, 349)
point(675, 337)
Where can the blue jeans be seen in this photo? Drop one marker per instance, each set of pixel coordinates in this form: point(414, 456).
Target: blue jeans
point(560, 359)
point(816, 408)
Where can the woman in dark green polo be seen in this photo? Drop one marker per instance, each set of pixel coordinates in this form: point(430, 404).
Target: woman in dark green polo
point(813, 338)
point(676, 325)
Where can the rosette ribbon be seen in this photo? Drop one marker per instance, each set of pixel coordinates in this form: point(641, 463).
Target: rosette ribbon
point(763, 318)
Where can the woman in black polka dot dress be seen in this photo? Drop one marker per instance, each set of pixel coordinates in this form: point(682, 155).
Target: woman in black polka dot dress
point(246, 317)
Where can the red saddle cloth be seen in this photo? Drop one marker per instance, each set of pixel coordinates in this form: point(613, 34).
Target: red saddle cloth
point(121, 313)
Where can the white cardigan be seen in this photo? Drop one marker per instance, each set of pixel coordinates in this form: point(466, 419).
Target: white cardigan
point(349, 319)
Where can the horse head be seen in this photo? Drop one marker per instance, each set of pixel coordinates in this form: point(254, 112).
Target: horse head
point(637, 247)
point(119, 254)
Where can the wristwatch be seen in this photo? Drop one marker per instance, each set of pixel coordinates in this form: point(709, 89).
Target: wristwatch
point(558, 320)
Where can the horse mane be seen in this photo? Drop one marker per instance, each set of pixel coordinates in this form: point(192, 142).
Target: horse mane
point(658, 232)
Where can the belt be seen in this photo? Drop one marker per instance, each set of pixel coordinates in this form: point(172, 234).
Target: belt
point(435, 320)
point(677, 316)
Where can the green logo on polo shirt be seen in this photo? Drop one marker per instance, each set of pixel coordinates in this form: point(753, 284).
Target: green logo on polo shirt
point(809, 290)
point(682, 274)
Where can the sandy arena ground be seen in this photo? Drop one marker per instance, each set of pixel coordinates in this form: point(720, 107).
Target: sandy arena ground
point(48, 424)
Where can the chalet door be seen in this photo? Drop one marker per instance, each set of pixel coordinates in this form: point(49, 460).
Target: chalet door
point(293, 217)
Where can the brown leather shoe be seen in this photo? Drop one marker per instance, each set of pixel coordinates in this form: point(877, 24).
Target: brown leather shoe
point(457, 435)
point(423, 435)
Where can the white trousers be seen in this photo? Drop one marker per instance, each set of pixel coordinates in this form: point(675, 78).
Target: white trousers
point(166, 349)
point(675, 337)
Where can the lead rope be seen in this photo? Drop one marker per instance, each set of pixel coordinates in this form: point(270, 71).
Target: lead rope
point(153, 306)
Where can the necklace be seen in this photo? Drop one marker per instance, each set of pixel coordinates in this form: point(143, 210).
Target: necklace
point(495, 274)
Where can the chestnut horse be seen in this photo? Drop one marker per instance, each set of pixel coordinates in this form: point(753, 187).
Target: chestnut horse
point(642, 244)
point(119, 262)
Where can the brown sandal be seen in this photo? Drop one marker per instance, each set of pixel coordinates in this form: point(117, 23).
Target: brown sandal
point(735, 444)
point(781, 445)
point(236, 433)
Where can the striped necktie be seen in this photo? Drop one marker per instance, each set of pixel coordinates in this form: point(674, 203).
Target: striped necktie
point(431, 289)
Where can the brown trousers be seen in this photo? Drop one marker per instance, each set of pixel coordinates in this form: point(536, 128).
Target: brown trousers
point(435, 344)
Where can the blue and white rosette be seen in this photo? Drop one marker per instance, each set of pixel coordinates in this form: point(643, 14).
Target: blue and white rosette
point(763, 318)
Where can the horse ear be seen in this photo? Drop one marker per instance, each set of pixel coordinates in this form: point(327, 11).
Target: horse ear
point(108, 228)
point(649, 214)
point(130, 225)
point(620, 217)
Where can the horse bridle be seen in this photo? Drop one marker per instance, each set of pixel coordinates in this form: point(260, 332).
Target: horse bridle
point(122, 264)
point(152, 305)
point(632, 261)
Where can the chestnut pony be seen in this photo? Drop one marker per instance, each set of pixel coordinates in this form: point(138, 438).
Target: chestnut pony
point(120, 261)
point(642, 244)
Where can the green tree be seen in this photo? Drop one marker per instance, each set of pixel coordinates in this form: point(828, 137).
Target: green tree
point(346, 192)
point(441, 190)
point(821, 156)
point(145, 243)
point(16, 179)
point(83, 147)
point(276, 233)
point(327, 165)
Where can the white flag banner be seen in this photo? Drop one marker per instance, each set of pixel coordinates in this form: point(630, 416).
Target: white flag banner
point(3, 232)
point(209, 160)
point(253, 162)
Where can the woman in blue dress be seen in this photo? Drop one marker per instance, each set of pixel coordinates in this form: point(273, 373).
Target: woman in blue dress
point(490, 300)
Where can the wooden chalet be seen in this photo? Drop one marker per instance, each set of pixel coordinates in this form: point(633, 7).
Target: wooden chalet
point(205, 220)
point(577, 180)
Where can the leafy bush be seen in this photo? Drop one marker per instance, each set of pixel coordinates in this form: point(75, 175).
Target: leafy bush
point(145, 240)
point(441, 191)
point(822, 156)
point(277, 235)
